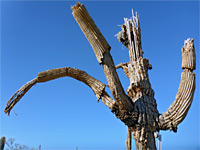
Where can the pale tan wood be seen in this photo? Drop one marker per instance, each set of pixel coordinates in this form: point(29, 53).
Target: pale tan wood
point(18, 95)
point(128, 139)
point(102, 51)
point(97, 86)
point(188, 55)
point(91, 31)
point(77, 74)
point(178, 110)
point(140, 90)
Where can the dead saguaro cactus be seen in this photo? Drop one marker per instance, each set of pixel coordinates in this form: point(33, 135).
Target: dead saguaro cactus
point(137, 109)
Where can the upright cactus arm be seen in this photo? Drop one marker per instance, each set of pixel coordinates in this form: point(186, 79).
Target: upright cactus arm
point(178, 110)
point(124, 108)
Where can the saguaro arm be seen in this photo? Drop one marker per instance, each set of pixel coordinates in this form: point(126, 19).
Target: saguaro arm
point(97, 86)
point(178, 110)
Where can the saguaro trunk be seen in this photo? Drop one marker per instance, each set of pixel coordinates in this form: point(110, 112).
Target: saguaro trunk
point(150, 145)
point(140, 90)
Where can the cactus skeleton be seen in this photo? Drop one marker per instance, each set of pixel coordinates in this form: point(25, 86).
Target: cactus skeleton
point(138, 110)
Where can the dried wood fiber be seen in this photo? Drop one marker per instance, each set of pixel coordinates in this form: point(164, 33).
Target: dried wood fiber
point(91, 31)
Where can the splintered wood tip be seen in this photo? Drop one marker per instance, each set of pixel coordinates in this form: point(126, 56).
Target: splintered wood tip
point(188, 55)
point(189, 43)
point(76, 6)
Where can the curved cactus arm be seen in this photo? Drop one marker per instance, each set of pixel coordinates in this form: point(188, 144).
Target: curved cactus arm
point(18, 95)
point(97, 86)
point(178, 110)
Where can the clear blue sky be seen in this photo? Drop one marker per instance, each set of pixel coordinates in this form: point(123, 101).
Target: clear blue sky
point(64, 113)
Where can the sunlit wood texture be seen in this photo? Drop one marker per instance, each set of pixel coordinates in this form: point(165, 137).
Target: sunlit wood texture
point(139, 91)
point(188, 55)
point(101, 49)
point(128, 139)
point(97, 86)
point(184, 97)
point(18, 95)
point(91, 31)
point(130, 36)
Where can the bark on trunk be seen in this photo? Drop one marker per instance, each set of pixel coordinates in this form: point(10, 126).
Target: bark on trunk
point(140, 91)
point(150, 145)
